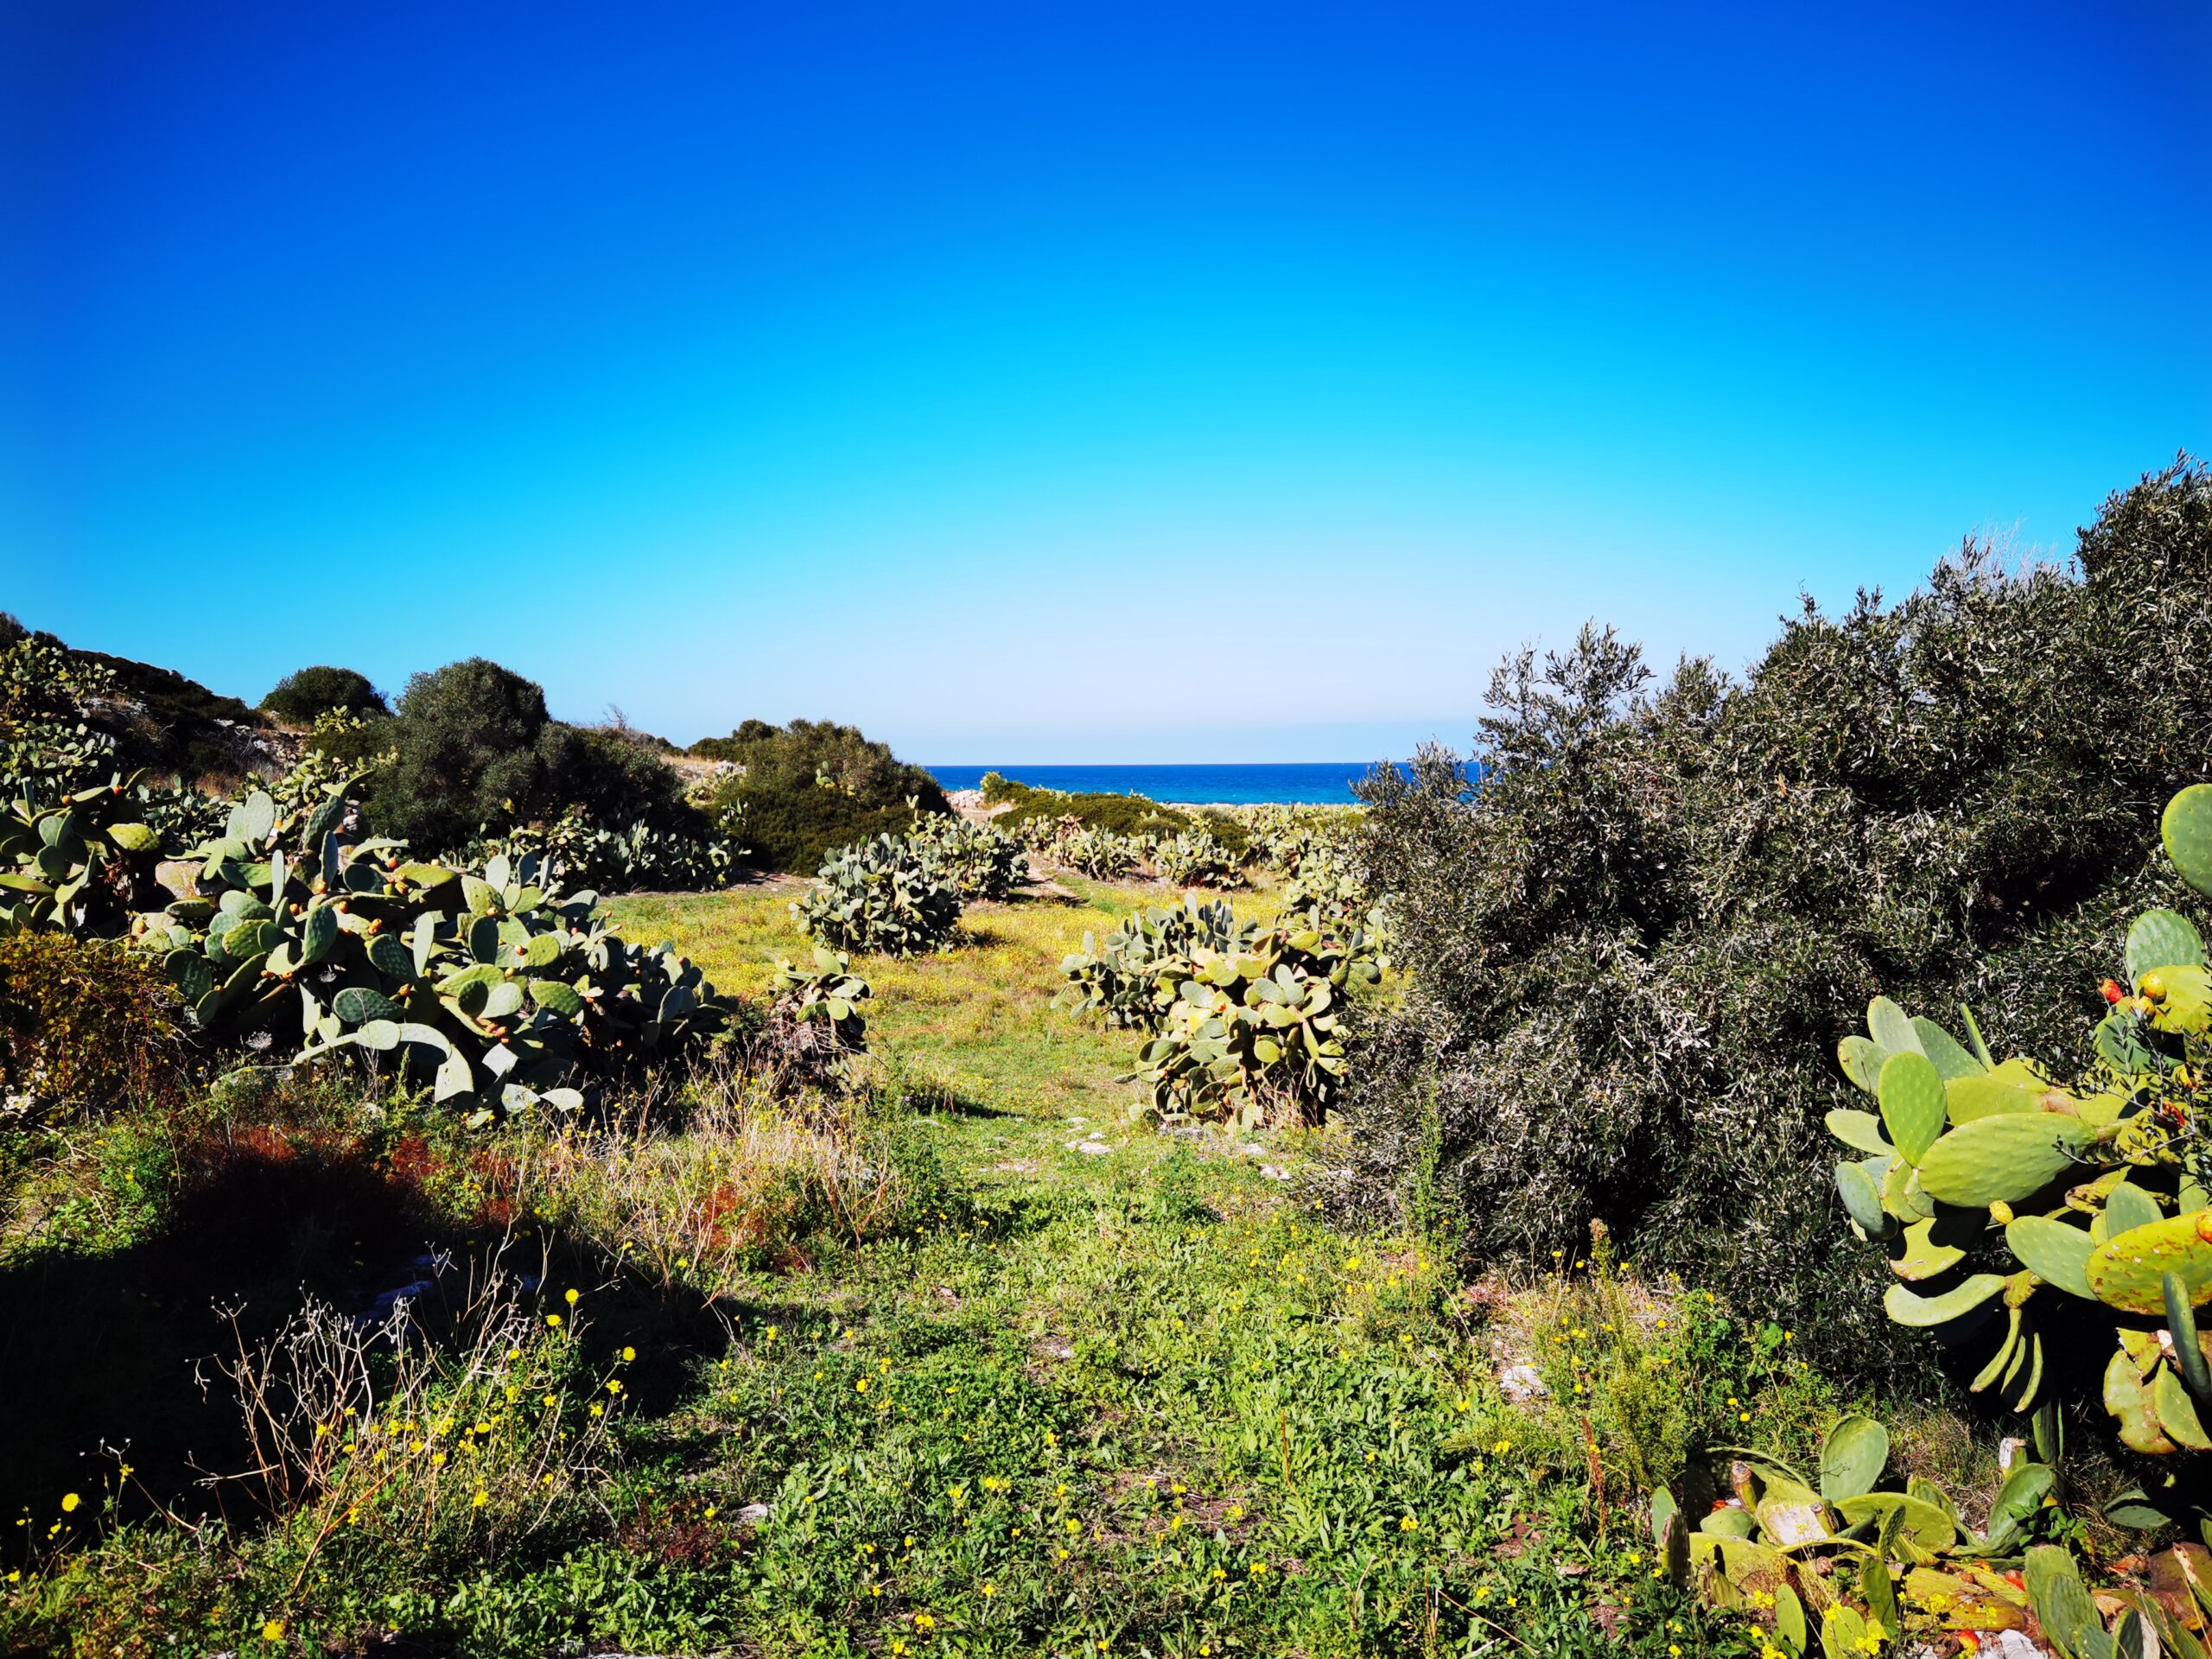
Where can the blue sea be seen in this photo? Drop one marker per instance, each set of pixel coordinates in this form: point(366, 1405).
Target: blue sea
point(1321, 783)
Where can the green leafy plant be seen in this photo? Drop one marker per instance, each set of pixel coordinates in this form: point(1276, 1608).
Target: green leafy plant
point(491, 982)
point(883, 897)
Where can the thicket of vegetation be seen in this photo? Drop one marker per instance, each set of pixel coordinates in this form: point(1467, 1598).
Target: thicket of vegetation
point(1495, 1285)
point(1630, 952)
point(797, 792)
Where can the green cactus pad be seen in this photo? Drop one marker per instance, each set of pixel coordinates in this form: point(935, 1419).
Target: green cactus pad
point(1888, 1026)
point(2186, 827)
point(2061, 1602)
point(2128, 1206)
point(2176, 1413)
point(2126, 1271)
point(1927, 1248)
point(2163, 939)
point(1862, 1199)
point(2002, 1359)
point(2054, 1252)
point(1949, 1055)
point(1843, 1632)
point(1912, 1093)
point(1903, 1196)
point(2015, 1086)
point(1852, 1457)
point(1921, 1312)
point(1861, 1059)
point(2002, 1159)
point(1725, 1522)
point(1861, 1131)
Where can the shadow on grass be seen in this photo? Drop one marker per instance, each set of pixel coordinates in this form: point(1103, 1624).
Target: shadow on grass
point(122, 1349)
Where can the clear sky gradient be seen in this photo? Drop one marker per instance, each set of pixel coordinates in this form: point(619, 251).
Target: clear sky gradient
point(1067, 381)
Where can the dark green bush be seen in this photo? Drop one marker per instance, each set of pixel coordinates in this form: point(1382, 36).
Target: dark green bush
point(1630, 952)
point(306, 692)
point(803, 789)
point(1125, 815)
point(475, 749)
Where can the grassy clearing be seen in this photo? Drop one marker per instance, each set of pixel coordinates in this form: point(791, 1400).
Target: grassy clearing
point(922, 1377)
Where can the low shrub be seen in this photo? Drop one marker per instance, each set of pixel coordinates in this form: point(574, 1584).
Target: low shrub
point(1120, 815)
point(305, 693)
point(86, 1025)
point(797, 792)
point(882, 896)
point(475, 751)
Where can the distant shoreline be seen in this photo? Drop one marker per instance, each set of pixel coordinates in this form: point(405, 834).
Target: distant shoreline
point(1298, 783)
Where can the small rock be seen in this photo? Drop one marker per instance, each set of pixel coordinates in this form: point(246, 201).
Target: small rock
point(754, 1512)
point(1274, 1172)
point(1093, 1149)
point(1521, 1384)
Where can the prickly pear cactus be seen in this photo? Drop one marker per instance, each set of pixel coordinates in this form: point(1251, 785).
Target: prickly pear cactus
point(1843, 1565)
point(490, 982)
point(1996, 1192)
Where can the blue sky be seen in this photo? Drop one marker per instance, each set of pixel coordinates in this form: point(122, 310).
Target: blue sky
point(1072, 381)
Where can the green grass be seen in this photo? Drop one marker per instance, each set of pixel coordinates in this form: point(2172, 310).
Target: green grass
point(1136, 1402)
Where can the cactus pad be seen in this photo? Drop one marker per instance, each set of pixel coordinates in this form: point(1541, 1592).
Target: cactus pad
point(2128, 1206)
point(2056, 1252)
point(1862, 1197)
point(2176, 1413)
point(2002, 1159)
point(1888, 1026)
point(1861, 1059)
point(1861, 1131)
point(2015, 1086)
point(1912, 1092)
point(1921, 1312)
point(2162, 938)
point(1948, 1054)
point(1925, 1249)
point(2126, 1271)
point(1852, 1457)
point(2186, 828)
